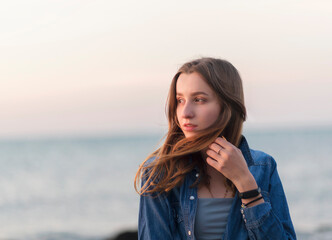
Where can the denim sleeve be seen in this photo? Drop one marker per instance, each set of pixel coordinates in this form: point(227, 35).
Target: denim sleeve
point(154, 217)
point(271, 219)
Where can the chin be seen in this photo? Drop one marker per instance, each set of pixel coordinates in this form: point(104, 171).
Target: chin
point(189, 134)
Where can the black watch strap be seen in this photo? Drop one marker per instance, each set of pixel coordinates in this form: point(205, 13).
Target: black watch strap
point(250, 194)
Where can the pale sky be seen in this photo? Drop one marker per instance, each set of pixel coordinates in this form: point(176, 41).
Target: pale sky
point(104, 67)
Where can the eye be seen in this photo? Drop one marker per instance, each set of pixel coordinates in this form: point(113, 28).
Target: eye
point(179, 100)
point(200, 100)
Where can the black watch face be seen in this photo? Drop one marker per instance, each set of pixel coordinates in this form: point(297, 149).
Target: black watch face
point(250, 194)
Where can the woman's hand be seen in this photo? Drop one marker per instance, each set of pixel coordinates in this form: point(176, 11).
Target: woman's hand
point(228, 160)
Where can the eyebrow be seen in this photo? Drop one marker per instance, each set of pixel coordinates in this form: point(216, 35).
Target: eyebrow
point(194, 94)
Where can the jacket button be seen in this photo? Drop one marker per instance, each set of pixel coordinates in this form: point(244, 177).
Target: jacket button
point(192, 198)
point(189, 233)
point(197, 174)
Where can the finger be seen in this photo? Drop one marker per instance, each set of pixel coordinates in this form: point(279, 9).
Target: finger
point(217, 148)
point(224, 143)
point(212, 163)
point(213, 155)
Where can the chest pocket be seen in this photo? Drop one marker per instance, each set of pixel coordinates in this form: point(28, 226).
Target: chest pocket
point(178, 223)
point(177, 212)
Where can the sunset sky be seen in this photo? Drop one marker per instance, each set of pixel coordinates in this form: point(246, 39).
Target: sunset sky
point(82, 67)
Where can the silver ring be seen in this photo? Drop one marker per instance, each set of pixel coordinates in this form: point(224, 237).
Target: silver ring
point(219, 151)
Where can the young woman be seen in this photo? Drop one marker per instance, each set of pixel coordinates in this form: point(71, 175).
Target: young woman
point(205, 182)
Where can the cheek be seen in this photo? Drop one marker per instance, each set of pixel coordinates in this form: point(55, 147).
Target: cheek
point(211, 115)
point(177, 113)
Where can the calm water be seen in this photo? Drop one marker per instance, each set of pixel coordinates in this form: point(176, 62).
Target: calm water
point(83, 188)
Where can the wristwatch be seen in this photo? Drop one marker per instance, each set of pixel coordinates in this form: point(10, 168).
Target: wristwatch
point(250, 194)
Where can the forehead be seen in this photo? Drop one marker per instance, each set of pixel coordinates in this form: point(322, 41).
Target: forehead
point(192, 82)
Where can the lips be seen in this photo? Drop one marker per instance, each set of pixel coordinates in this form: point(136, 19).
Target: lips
point(189, 126)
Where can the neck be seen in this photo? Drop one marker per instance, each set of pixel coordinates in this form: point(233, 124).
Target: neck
point(211, 171)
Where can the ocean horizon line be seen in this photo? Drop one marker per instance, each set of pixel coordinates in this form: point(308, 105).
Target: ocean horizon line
point(108, 135)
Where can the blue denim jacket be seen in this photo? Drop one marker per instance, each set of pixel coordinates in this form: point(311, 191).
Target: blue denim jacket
point(172, 216)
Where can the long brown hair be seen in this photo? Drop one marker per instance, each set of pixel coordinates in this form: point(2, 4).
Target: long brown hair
point(172, 162)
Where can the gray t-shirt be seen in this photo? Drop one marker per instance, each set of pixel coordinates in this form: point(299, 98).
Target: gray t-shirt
point(211, 217)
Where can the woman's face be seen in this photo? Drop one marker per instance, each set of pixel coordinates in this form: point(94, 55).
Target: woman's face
point(197, 104)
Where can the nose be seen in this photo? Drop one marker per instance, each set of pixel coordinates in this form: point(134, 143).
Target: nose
point(187, 111)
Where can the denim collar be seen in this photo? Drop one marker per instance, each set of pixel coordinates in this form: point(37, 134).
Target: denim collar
point(244, 147)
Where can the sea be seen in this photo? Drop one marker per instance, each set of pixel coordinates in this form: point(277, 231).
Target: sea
point(82, 188)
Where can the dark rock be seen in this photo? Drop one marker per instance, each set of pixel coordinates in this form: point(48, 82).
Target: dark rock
point(127, 235)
